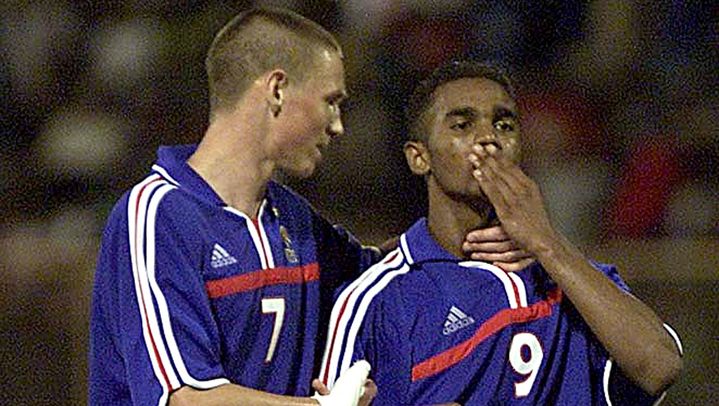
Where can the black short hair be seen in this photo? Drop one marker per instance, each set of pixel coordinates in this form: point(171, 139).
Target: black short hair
point(422, 96)
point(256, 41)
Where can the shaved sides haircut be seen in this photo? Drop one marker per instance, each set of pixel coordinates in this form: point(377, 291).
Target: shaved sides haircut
point(259, 40)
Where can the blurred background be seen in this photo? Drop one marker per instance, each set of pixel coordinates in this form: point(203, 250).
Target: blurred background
point(619, 107)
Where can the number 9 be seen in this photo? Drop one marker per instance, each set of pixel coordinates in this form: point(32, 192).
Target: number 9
point(525, 367)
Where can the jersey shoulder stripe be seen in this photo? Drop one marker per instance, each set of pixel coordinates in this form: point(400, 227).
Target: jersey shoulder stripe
point(350, 310)
point(164, 354)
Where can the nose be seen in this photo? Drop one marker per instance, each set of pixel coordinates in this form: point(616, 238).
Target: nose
point(335, 128)
point(487, 136)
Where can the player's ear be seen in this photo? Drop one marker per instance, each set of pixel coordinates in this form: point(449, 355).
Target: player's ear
point(275, 83)
point(417, 157)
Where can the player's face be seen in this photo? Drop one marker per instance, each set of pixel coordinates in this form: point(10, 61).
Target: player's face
point(312, 116)
point(464, 112)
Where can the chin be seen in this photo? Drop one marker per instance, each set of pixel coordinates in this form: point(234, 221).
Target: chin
point(302, 172)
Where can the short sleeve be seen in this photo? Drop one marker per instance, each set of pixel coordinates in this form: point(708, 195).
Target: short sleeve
point(619, 389)
point(150, 303)
point(613, 274)
point(387, 349)
point(371, 331)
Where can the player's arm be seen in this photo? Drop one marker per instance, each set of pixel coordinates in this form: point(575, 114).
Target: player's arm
point(231, 394)
point(630, 331)
point(351, 389)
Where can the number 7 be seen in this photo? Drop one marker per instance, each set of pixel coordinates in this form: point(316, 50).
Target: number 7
point(274, 305)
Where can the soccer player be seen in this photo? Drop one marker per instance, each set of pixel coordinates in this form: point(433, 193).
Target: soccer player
point(212, 279)
point(439, 328)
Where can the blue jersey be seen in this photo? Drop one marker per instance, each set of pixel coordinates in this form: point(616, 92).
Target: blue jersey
point(438, 330)
point(191, 292)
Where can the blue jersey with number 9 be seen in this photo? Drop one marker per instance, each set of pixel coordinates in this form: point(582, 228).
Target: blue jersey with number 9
point(439, 330)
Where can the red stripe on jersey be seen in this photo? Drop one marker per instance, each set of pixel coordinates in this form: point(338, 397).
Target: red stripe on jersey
point(325, 378)
point(502, 319)
point(390, 259)
point(265, 277)
point(515, 288)
point(142, 296)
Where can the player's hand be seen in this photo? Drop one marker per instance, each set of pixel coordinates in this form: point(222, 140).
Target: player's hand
point(493, 245)
point(348, 389)
point(320, 387)
point(516, 198)
point(370, 391)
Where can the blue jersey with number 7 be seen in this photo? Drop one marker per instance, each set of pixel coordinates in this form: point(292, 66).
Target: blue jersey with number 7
point(190, 292)
point(439, 330)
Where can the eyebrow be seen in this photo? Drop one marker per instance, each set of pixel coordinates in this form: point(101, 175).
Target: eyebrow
point(505, 112)
point(468, 112)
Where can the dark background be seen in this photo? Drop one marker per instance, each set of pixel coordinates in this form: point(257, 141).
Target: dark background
point(619, 115)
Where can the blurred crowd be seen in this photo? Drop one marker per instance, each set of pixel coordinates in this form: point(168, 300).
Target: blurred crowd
point(619, 107)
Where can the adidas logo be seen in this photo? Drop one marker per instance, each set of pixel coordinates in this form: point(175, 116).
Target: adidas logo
point(221, 258)
point(456, 319)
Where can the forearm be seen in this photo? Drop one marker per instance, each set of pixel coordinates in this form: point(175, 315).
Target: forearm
point(231, 394)
point(630, 331)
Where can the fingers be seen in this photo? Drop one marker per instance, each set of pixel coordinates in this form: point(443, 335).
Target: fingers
point(491, 183)
point(489, 234)
point(370, 392)
point(320, 387)
point(489, 247)
point(514, 266)
point(505, 256)
point(496, 167)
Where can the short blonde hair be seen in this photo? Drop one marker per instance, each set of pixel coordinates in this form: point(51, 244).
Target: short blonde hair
point(259, 40)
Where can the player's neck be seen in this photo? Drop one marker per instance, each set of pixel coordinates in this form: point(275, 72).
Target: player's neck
point(230, 159)
point(450, 220)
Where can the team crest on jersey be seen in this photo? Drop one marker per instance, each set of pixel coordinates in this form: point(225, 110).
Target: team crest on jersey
point(456, 320)
point(220, 257)
point(290, 253)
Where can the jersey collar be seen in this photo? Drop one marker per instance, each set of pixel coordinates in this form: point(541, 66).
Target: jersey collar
point(172, 165)
point(418, 245)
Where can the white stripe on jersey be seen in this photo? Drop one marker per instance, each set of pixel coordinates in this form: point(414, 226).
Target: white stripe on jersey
point(150, 331)
point(362, 311)
point(520, 288)
point(676, 338)
point(142, 217)
point(164, 174)
point(508, 279)
point(405, 249)
point(334, 316)
point(339, 359)
point(261, 242)
point(160, 298)
point(264, 240)
point(605, 381)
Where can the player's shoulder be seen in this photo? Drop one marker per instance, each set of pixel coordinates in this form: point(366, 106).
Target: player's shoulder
point(384, 281)
point(153, 194)
point(609, 270)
